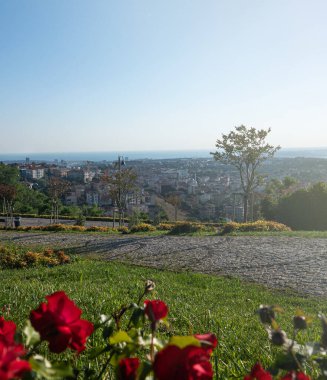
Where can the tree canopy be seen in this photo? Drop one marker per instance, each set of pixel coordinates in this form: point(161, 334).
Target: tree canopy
point(304, 209)
point(9, 175)
point(245, 149)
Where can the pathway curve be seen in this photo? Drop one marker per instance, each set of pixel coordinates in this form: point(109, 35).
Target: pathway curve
point(279, 262)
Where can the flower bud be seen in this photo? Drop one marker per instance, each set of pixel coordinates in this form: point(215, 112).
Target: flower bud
point(266, 314)
point(278, 337)
point(300, 322)
point(149, 286)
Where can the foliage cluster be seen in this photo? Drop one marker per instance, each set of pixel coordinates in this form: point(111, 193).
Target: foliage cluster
point(187, 228)
point(304, 209)
point(142, 227)
point(67, 227)
point(258, 226)
point(165, 226)
point(245, 149)
point(172, 228)
point(12, 257)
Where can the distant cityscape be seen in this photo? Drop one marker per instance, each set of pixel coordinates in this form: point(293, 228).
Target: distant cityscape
point(206, 190)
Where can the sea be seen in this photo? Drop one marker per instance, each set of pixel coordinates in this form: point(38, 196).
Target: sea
point(143, 155)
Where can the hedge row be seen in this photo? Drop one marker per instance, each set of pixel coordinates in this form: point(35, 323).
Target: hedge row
point(258, 226)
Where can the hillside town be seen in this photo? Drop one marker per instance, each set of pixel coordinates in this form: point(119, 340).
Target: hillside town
point(198, 189)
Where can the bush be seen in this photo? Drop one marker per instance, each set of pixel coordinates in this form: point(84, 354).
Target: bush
point(165, 227)
point(98, 229)
point(142, 227)
point(187, 228)
point(80, 220)
point(258, 226)
point(13, 257)
point(123, 229)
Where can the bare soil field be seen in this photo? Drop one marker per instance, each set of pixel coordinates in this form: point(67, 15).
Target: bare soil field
point(293, 263)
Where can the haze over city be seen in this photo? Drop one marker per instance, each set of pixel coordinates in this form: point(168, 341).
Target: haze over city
point(141, 75)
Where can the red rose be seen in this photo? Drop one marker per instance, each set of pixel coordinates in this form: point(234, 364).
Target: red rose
point(155, 310)
point(258, 373)
point(11, 367)
point(296, 376)
point(59, 323)
point(128, 368)
point(208, 341)
point(7, 331)
point(189, 363)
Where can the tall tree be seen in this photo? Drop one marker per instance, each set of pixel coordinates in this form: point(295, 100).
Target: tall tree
point(9, 174)
point(7, 197)
point(245, 149)
point(56, 189)
point(174, 200)
point(304, 209)
point(121, 182)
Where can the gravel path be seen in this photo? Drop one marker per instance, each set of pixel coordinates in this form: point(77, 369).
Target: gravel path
point(279, 262)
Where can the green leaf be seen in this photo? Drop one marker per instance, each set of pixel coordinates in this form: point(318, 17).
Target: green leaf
point(108, 329)
point(287, 362)
point(144, 370)
point(184, 341)
point(50, 371)
point(32, 336)
point(97, 351)
point(137, 317)
point(120, 337)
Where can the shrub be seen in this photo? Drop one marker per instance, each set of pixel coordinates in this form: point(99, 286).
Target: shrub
point(98, 229)
point(165, 226)
point(80, 220)
point(13, 257)
point(187, 228)
point(123, 229)
point(142, 227)
point(258, 226)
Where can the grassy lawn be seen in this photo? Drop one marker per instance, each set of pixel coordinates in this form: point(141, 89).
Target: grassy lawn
point(301, 234)
point(198, 303)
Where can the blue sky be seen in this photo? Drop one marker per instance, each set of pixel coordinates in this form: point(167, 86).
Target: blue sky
point(79, 75)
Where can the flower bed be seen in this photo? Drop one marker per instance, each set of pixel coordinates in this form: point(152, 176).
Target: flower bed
point(258, 226)
point(133, 348)
point(13, 257)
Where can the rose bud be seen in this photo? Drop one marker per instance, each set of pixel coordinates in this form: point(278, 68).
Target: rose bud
point(258, 373)
point(278, 337)
point(149, 286)
point(300, 322)
point(266, 314)
point(127, 369)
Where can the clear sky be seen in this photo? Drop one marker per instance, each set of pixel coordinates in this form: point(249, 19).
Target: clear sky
point(101, 75)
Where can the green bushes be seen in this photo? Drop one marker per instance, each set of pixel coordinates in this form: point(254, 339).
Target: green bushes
point(142, 227)
point(13, 257)
point(258, 226)
point(187, 228)
point(304, 209)
point(165, 227)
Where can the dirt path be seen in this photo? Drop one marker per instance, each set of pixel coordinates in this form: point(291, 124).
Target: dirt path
point(279, 262)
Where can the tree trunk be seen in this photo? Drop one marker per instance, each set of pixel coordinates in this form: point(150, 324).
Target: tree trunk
point(245, 205)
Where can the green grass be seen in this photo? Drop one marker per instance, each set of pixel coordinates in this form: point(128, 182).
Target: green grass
point(198, 303)
point(301, 234)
